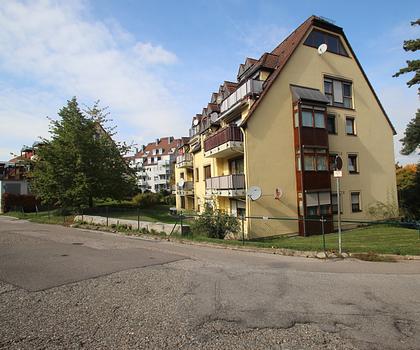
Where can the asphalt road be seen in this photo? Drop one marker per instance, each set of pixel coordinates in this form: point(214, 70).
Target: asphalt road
point(64, 288)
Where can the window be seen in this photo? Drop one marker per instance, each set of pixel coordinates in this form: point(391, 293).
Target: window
point(334, 203)
point(197, 175)
point(350, 127)
point(355, 202)
point(313, 118)
point(207, 172)
point(331, 124)
point(307, 119)
point(333, 42)
point(315, 159)
point(319, 119)
point(318, 203)
point(338, 92)
point(181, 175)
point(352, 164)
point(182, 202)
point(236, 166)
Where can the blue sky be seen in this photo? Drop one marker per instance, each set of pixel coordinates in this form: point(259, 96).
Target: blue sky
point(155, 63)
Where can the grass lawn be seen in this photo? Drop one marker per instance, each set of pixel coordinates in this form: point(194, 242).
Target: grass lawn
point(43, 217)
point(159, 213)
point(377, 239)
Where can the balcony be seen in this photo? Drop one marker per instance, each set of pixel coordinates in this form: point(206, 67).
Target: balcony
point(226, 186)
point(187, 189)
point(236, 98)
point(184, 161)
point(224, 143)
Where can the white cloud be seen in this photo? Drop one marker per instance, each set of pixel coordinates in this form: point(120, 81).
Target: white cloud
point(59, 51)
point(154, 54)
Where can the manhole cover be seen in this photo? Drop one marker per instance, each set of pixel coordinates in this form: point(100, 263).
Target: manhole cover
point(77, 243)
point(64, 255)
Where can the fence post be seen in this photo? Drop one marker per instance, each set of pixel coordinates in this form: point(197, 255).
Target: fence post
point(138, 218)
point(49, 218)
point(243, 229)
point(180, 218)
point(64, 215)
point(107, 215)
point(323, 233)
point(83, 218)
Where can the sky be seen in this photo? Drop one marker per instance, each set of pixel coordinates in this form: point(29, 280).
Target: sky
point(156, 63)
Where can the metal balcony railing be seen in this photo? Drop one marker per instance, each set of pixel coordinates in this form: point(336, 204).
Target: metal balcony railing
point(250, 87)
point(188, 186)
point(227, 182)
point(230, 133)
point(185, 158)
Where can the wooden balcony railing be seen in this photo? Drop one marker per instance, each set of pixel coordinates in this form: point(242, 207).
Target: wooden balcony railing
point(230, 133)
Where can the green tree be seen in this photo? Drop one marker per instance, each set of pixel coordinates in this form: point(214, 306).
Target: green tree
point(80, 161)
point(408, 180)
point(411, 139)
point(412, 65)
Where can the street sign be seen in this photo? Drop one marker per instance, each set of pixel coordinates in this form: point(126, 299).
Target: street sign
point(338, 173)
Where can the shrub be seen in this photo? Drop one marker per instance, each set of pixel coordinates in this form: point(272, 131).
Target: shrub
point(214, 224)
point(169, 199)
point(144, 200)
point(20, 201)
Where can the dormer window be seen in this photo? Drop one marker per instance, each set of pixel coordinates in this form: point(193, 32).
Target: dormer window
point(333, 42)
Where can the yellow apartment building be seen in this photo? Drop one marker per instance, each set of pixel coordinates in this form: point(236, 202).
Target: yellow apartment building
point(277, 130)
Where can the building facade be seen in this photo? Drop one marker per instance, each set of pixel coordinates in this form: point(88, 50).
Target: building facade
point(278, 129)
point(155, 163)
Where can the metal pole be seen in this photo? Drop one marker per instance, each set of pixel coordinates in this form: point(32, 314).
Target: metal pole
point(243, 229)
point(180, 218)
point(138, 218)
point(323, 233)
point(339, 215)
point(107, 215)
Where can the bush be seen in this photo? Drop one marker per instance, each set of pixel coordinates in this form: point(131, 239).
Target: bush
point(169, 200)
point(20, 201)
point(214, 224)
point(144, 200)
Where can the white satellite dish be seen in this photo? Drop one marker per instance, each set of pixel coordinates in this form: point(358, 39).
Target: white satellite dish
point(254, 193)
point(181, 182)
point(195, 122)
point(322, 49)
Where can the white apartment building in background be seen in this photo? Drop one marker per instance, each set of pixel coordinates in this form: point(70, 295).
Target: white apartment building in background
point(154, 164)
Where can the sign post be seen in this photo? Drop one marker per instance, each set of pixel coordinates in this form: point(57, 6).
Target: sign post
point(338, 164)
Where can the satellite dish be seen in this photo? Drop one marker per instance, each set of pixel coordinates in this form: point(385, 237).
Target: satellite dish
point(254, 193)
point(181, 182)
point(195, 122)
point(322, 49)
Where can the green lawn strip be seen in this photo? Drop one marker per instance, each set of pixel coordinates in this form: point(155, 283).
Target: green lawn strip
point(378, 239)
point(54, 217)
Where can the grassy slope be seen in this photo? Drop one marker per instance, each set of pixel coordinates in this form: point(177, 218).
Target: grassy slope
point(379, 239)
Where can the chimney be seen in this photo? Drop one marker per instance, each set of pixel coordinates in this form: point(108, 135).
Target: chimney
point(143, 148)
point(157, 141)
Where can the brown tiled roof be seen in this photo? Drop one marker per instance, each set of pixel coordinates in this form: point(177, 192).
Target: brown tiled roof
point(165, 143)
point(283, 52)
point(213, 107)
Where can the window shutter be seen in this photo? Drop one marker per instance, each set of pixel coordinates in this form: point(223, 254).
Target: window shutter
point(324, 198)
point(312, 199)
